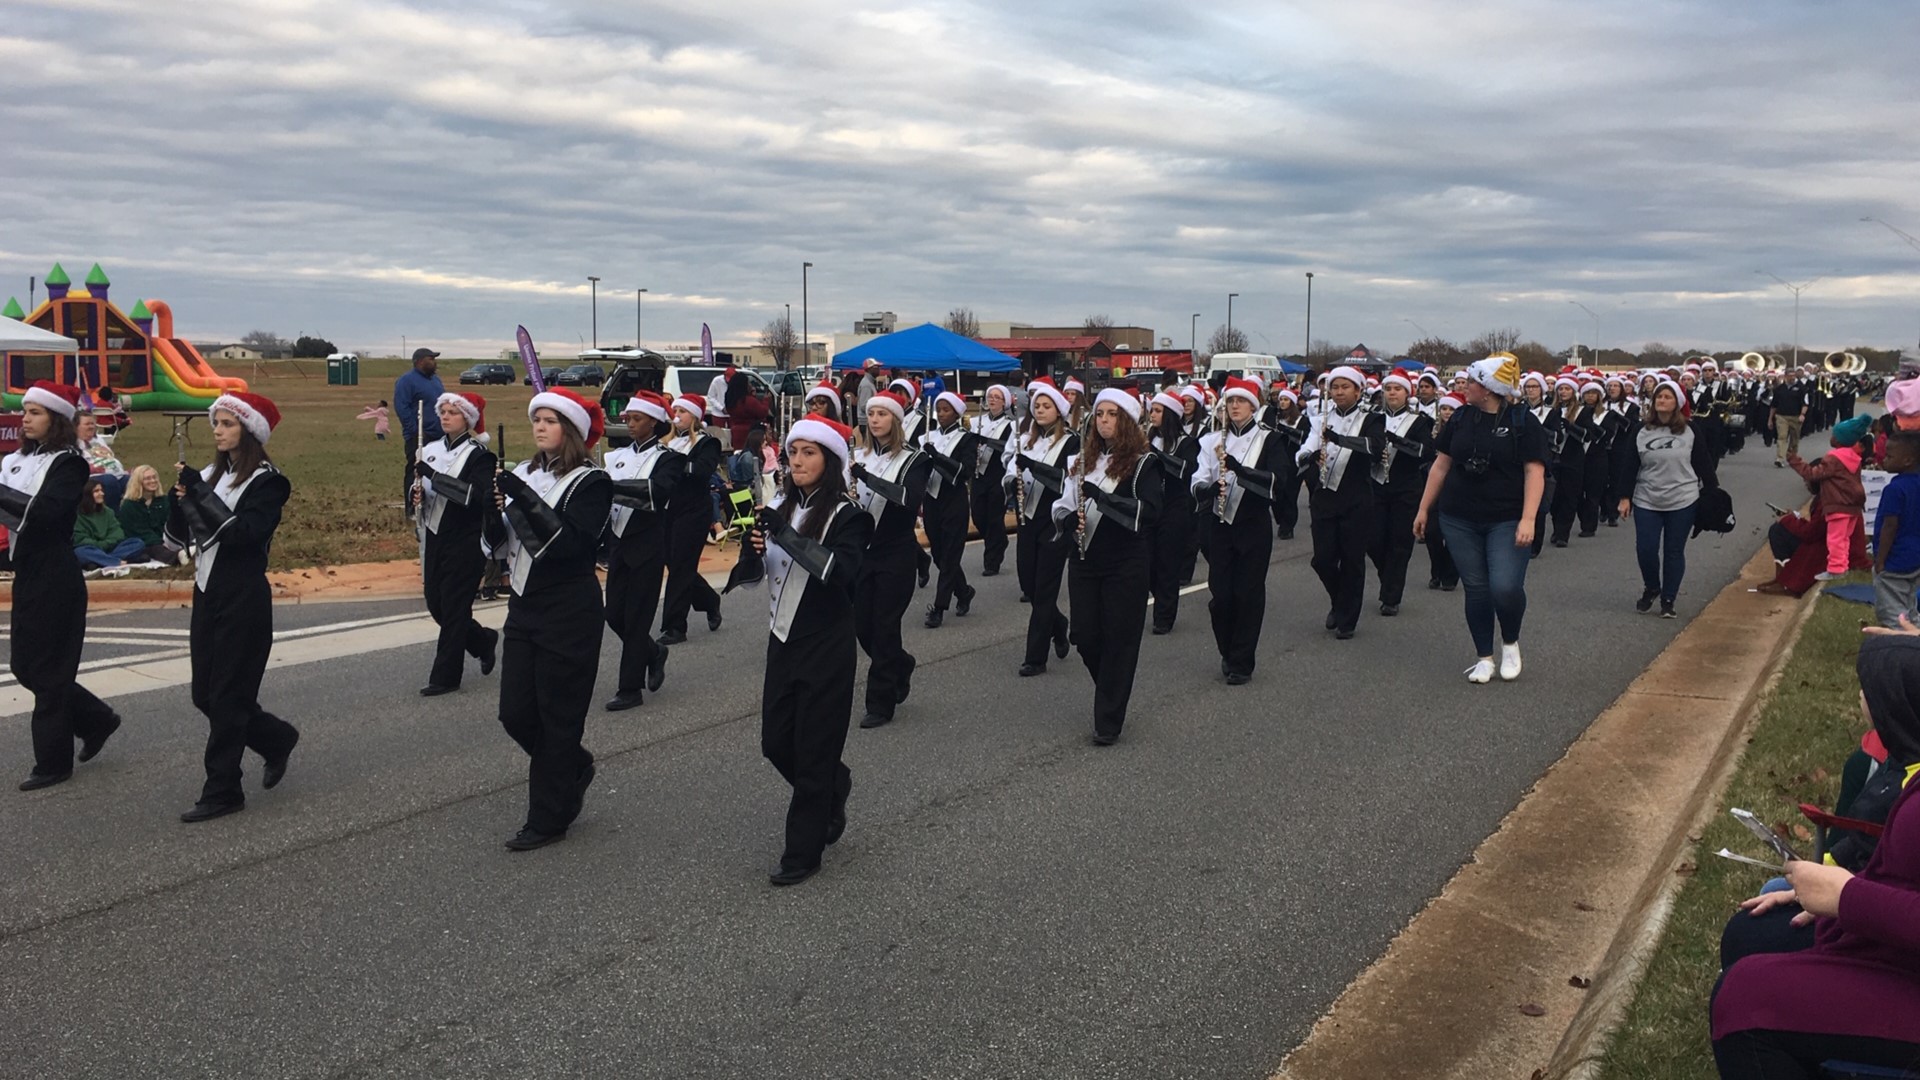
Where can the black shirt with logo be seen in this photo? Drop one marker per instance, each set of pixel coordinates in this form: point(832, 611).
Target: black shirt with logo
point(1487, 478)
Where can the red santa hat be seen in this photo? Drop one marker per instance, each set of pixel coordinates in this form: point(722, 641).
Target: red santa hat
point(648, 403)
point(1349, 373)
point(892, 402)
point(582, 415)
point(1044, 387)
point(255, 413)
point(53, 397)
point(693, 403)
point(1245, 389)
point(912, 391)
point(1170, 402)
point(1126, 399)
point(828, 391)
point(829, 435)
point(471, 406)
point(1075, 386)
point(953, 400)
point(1399, 380)
point(1452, 401)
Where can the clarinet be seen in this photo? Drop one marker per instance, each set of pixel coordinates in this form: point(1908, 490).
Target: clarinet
point(1079, 489)
point(1019, 490)
point(1220, 460)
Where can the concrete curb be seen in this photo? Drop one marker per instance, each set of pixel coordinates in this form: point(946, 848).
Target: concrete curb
point(1554, 913)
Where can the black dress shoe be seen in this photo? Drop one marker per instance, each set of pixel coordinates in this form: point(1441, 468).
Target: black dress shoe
point(1032, 669)
point(624, 700)
point(672, 637)
point(276, 769)
point(1098, 739)
point(657, 669)
point(906, 682)
point(492, 655)
point(1389, 610)
point(1559, 543)
point(713, 620)
point(964, 603)
point(1060, 641)
point(1025, 599)
point(1343, 635)
point(1158, 630)
point(837, 823)
point(792, 875)
point(527, 839)
point(435, 690)
point(1433, 583)
point(925, 574)
point(1450, 587)
point(91, 747)
point(1333, 620)
point(1286, 534)
point(1588, 534)
point(934, 618)
point(874, 720)
point(1238, 678)
point(207, 811)
point(992, 571)
point(35, 780)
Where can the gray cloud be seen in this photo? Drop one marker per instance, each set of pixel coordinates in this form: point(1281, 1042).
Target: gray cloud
point(369, 169)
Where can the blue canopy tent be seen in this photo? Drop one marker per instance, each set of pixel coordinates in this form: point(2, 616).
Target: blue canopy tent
point(927, 348)
point(1408, 363)
point(1292, 368)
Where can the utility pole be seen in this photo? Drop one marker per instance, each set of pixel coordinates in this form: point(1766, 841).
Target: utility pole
point(806, 339)
point(1193, 336)
point(637, 294)
point(1307, 354)
point(1796, 290)
point(1230, 297)
point(594, 283)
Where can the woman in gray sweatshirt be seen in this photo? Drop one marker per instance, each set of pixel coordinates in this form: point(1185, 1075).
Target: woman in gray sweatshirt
point(1658, 468)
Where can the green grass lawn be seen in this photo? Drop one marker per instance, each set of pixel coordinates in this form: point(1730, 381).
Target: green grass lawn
point(346, 483)
point(1808, 726)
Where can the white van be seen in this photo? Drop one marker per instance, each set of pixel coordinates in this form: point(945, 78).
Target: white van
point(1240, 364)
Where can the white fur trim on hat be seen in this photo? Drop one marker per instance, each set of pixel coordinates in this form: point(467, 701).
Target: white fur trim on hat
point(564, 407)
point(958, 403)
point(645, 408)
point(1193, 391)
point(1051, 393)
point(1170, 402)
point(1289, 395)
point(827, 392)
point(50, 402)
point(1126, 402)
point(913, 392)
point(889, 403)
point(248, 416)
point(1242, 393)
point(1349, 373)
point(1074, 386)
point(1397, 379)
point(459, 401)
point(1565, 380)
point(818, 432)
point(684, 402)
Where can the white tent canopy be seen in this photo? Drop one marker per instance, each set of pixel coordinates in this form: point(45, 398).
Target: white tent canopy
point(16, 336)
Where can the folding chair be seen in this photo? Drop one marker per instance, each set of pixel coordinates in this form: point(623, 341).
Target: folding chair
point(740, 519)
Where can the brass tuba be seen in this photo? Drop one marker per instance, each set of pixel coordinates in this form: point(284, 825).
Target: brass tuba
point(1840, 362)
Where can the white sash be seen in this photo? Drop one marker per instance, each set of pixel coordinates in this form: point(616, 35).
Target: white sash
point(627, 463)
point(553, 491)
point(1384, 465)
point(443, 460)
point(24, 472)
point(230, 493)
point(943, 441)
point(889, 467)
point(1046, 455)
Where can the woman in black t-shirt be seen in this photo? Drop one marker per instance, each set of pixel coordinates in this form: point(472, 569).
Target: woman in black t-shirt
point(1487, 479)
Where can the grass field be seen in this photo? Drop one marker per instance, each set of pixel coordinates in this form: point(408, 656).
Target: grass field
point(346, 484)
point(1808, 726)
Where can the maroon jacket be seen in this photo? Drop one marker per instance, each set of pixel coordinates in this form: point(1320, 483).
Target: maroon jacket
point(1836, 480)
point(751, 410)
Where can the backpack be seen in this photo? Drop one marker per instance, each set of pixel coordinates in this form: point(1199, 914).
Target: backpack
point(1713, 513)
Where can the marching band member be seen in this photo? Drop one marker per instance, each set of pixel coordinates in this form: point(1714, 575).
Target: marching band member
point(1199, 406)
point(1039, 465)
point(1289, 421)
point(889, 482)
point(823, 399)
point(1399, 475)
point(1426, 390)
point(1486, 484)
point(555, 506)
point(455, 475)
point(645, 476)
point(1569, 467)
point(689, 520)
point(913, 431)
point(1111, 502)
point(230, 510)
point(814, 539)
point(1076, 410)
point(992, 432)
point(1594, 428)
point(1238, 469)
point(1178, 454)
point(1442, 574)
point(946, 505)
point(1340, 494)
point(40, 486)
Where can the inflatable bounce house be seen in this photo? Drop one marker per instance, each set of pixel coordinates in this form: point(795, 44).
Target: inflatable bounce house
point(134, 353)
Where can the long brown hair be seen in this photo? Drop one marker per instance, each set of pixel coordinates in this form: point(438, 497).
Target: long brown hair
point(61, 434)
point(571, 455)
point(242, 461)
point(1129, 445)
point(87, 503)
point(829, 493)
point(893, 442)
point(1678, 424)
point(1036, 430)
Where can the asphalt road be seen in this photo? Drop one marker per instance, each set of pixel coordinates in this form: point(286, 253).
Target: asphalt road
point(1007, 901)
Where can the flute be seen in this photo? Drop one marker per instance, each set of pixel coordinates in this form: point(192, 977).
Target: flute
point(1019, 491)
point(1079, 491)
point(1220, 459)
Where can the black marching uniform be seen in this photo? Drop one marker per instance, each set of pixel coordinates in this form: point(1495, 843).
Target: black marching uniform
point(689, 515)
point(1594, 427)
point(645, 477)
point(945, 509)
point(39, 498)
point(1553, 424)
point(1107, 577)
point(1340, 497)
point(456, 511)
point(806, 700)
point(1178, 462)
point(1441, 571)
point(1399, 478)
point(231, 631)
point(1042, 551)
point(889, 488)
point(1239, 543)
point(1569, 474)
point(1286, 494)
point(553, 633)
point(991, 437)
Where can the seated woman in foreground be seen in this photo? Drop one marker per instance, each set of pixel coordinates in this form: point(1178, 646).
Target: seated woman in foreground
point(1855, 993)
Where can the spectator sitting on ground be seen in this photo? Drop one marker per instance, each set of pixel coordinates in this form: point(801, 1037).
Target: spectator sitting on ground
point(98, 540)
point(100, 460)
point(377, 414)
point(1854, 993)
point(143, 515)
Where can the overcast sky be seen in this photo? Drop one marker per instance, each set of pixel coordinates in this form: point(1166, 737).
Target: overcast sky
point(365, 170)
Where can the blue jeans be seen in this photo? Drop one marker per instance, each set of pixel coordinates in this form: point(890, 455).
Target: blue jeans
point(1663, 562)
point(130, 548)
point(1493, 573)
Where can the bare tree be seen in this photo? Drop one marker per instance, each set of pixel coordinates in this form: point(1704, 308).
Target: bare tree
point(1438, 352)
point(1656, 354)
point(1226, 339)
point(1326, 352)
point(1100, 326)
point(1532, 355)
point(1498, 340)
point(265, 342)
point(778, 338)
point(961, 321)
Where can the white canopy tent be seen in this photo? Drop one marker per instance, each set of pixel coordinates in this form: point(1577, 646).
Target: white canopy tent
point(16, 336)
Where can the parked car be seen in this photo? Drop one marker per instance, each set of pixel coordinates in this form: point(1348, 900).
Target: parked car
point(487, 375)
point(548, 373)
point(581, 375)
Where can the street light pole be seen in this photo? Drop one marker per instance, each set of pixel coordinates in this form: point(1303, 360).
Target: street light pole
point(1230, 297)
point(806, 338)
point(1307, 353)
point(1796, 290)
point(786, 333)
point(594, 284)
point(1596, 328)
point(1193, 335)
point(637, 294)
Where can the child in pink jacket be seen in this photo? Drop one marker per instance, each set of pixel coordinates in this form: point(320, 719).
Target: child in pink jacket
point(1836, 479)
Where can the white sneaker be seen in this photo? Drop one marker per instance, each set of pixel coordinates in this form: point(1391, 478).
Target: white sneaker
point(1481, 671)
point(1509, 661)
point(1825, 575)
